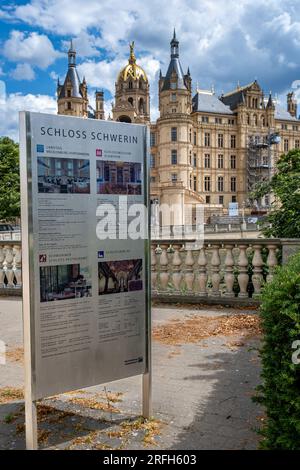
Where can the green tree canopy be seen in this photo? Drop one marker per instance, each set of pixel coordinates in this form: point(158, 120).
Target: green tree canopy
point(284, 216)
point(9, 179)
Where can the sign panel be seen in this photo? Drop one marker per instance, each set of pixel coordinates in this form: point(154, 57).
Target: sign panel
point(233, 209)
point(85, 256)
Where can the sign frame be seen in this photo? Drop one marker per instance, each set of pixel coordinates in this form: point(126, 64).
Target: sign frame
point(29, 310)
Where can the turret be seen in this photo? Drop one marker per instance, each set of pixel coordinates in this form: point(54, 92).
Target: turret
point(292, 104)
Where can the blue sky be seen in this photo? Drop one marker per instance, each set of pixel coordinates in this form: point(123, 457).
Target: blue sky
point(222, 41)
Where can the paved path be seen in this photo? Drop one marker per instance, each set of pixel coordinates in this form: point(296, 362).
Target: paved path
point(201, 396)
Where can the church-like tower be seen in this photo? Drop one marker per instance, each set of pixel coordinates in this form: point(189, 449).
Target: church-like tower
point(72, 99)
point(132, 102)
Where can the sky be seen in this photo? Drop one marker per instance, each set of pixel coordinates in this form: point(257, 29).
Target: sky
point(224, 42)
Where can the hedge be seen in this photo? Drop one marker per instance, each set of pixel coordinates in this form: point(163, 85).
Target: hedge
point(280, 389)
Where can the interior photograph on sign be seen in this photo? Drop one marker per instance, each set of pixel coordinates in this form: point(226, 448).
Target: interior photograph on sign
point(115, 177)
point(62, 282)
point(120, 276)
point(63, 175)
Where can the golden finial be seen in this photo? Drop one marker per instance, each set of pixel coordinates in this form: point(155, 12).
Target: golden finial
point(132, 56)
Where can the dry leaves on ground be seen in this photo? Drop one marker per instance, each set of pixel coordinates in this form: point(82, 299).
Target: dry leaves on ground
point(8, 394)
point(15, 355)
point(196, 328)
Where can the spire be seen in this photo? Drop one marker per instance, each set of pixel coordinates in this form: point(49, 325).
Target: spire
point(188, 71)
point(72, 55)
point(270, 101)
point(132, 59)
point(174, 46)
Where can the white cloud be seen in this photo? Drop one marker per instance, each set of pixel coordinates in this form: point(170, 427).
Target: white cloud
point(23, 72)
point(33, 48)
point(15, 102)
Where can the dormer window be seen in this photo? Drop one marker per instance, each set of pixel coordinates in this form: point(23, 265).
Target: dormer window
point(69, 93)
point(173, 85)
point(173, 97)
point(130, 85)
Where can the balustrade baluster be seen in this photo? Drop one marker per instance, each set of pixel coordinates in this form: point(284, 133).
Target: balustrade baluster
point(202, 275)
point(189, 275)
point(164, 274)
point(176, 263)
point(271, 261)
point(243, 276)
point(17, 265)
point(215, 267)
point(9, 258)
point(229, 275)
point(257, 277)
point(2, 272)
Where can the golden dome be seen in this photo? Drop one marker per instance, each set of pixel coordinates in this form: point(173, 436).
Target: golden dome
point(132, 70)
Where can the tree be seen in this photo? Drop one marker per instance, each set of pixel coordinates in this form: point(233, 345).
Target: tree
point(9, 179)
point(284, 217)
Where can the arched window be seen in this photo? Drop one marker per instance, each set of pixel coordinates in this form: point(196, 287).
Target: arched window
point(130, 85)
point(141, 106)
point(130, 100)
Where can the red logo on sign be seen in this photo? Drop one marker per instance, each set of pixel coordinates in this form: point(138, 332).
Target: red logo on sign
point(98, 152)
point(43, 258)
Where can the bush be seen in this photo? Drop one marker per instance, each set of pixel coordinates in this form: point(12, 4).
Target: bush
point(280, 391)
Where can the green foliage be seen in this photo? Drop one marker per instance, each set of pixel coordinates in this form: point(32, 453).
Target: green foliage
point(280, 390)
point(285, 185)
point(9, 179)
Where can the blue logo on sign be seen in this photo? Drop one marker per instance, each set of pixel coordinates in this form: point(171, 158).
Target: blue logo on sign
point(100, 254)
point(40, 148)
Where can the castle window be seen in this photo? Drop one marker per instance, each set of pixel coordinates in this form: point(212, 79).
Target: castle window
point(232, 141)
point(220, 183)
point(286, 145)
point(233, 199)
point(221, 200)
point(233, 184)
point(207, 199)
point(152, 161)
point(152, 179)
point(233, 162)
point(218, 120)
point(130, 85)
point(174, 177)
point(207, 139)
point(195, 160)
point(248, 119)
point(141, 106)
point(130, 101)
point(69, 93)
point(173, 110)
point(173, 97)
point(174, 157)
point(220, 161)
point(195, 183)
point(297, 144)
point(190, 135)
point(195, 138)
point(205, 119)
point(284, 127)
point(173, 85)
point(152, 139)
point(207, 160)
point(207, 183)
point(220, 140)
point(255, 119)
point(69, 105)
point(231, 121)
point(173, 134)
point(141, 83)
point(295, 128)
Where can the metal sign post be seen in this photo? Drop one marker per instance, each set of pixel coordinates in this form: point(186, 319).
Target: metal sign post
point(86, 297)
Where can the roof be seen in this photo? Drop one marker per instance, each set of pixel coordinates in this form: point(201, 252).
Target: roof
point(210, 103)
point(284, 115)
point(174, 67)
point(73, 77)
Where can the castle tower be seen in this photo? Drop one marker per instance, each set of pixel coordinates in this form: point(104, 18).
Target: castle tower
point(132, 102)
point(176, 139)
point(292, 104)
point(72, 99)
point(99, 112)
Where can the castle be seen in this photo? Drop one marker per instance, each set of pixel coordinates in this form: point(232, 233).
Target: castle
point(204, 149)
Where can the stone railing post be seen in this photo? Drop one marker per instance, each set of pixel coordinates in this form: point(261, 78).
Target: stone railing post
point(202, 275)
point(164, 269)
point(215, 267)
point(229, 266)
point(243, 276)
point(153, 268)
point(176, 264)
point(257, 277)
point(271, 261)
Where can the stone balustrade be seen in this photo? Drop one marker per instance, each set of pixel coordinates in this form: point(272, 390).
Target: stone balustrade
point(229, 271)
point(10, 267)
